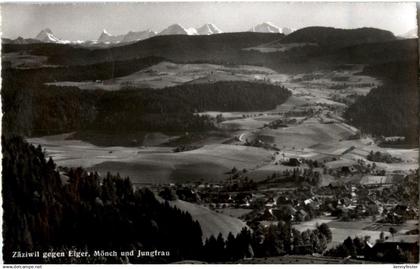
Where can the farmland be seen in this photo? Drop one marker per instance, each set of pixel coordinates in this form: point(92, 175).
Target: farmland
point(255, 157)
point(316, 130)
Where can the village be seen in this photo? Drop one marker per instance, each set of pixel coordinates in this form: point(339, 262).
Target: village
point(379, 208)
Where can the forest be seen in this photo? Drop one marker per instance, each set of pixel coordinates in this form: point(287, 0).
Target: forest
point(52, 110)
point(395, 102)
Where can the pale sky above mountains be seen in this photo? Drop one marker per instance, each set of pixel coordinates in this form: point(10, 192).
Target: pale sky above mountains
point(85, 21)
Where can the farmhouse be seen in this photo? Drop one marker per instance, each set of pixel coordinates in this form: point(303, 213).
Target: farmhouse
point(402, 247)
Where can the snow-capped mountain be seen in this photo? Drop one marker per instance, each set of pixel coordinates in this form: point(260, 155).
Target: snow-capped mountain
point(137, 36)
point(268, 27)
point(208, 29)
point(47, 36)
point(286, 30)
point(176, 29)
point(192, 31)
point(106, 37)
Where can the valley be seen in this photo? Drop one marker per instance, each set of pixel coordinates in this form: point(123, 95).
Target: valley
point(311, 127)
point(246, 135)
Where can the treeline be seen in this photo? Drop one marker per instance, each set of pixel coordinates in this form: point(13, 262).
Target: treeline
point(46, 210)
point(275, 240)
point(48, 110)
point(383, 157)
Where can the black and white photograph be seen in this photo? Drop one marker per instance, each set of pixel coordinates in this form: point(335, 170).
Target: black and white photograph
point(210, 133)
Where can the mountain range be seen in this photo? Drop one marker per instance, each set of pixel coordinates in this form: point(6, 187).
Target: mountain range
point(47, 36)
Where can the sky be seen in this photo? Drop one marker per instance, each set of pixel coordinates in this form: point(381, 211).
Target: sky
point(85, 21)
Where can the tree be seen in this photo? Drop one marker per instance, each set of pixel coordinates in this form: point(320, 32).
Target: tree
point(234, 170)
point(272, 246)
point(393, 231)
point(382, 236)
point(326, 231)
point(220, 247)
point(231, 248)
point(349, 246)
point(168, 194)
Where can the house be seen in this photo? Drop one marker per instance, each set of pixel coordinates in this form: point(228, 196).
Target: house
point(396, 249)
point(348, 170)
point(267, 215)
point(293, 162)
point(301, 215)
point(284, 212)
point(271, 202)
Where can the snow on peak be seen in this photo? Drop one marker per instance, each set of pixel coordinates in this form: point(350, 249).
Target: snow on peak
point(176, 29)
point(46, 35)
point(192, 31)
point(105, 32)
point(265, 27)
point(286, 30)
point(268, 27)
point(208, 29)
point(106, 37)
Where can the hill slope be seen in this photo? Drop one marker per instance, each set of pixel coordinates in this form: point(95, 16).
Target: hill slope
point(212, 223)
point(328, 36)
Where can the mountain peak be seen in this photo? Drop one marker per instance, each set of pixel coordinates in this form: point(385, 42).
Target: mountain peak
point(105, 32)
point(46, 35)
point(106, 37)
point(269, 27)
point(208, 29)
point(47, 30)
point(265, 27)
point(176, 29)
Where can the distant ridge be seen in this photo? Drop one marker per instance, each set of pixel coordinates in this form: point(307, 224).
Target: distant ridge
point(329, 36)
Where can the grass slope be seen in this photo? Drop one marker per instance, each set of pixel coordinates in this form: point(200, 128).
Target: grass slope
point(212, 223)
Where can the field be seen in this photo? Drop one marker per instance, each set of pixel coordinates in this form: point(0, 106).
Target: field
point(279, 47)
point(167, 74)
point(24, 60)
point(149, 165)
point(343, 229)
point(318, 131)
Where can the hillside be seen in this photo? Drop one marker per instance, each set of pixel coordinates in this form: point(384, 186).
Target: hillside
point(49, 110)
point(394, 103)
point(333, 37)
point(212, 223)
point(45, 210)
